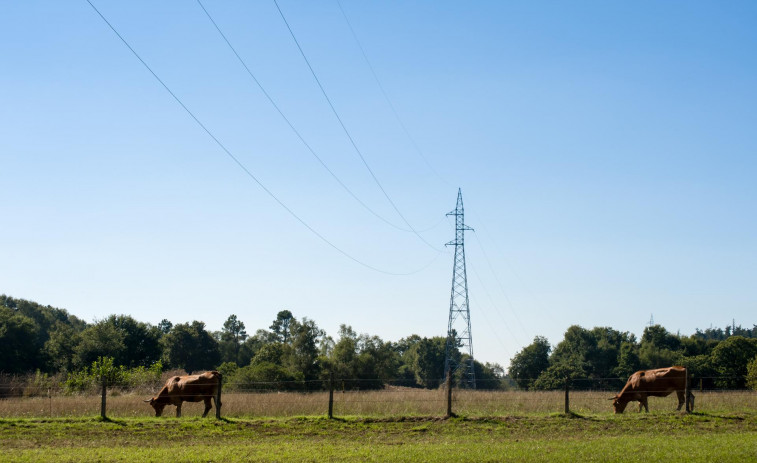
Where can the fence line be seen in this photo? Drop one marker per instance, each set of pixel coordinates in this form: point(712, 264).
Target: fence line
point(277, 398)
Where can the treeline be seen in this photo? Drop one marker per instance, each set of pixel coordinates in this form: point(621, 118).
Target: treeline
point(292, 353)
point(295, 353)
point(604, 357)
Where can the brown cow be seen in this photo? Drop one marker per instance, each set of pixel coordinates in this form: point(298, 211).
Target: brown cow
point(189, 388)
point(655, 383)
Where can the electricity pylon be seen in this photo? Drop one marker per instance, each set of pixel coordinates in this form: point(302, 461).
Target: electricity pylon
point(458, 328)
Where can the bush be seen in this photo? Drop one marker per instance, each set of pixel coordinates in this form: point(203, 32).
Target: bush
point(89, 380)
point(751, 375)
point(265, 376)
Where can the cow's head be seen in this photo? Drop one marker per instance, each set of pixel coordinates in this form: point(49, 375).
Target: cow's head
point(618, 405)
point(158, 406)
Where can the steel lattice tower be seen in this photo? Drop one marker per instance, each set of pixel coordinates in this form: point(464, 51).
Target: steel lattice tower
point(458, 328)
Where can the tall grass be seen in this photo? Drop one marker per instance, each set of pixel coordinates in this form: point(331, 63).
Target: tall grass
point(390, 402)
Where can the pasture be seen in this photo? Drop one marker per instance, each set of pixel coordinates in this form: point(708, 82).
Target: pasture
point(391, 425)
point(392, 402)
point(654, 437)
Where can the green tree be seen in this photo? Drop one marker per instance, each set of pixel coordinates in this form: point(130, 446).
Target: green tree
point(18, 342)
point(530, 362)
point(233, 335)
point(730, 359)
point(165, 326)
point(191, 347)
point(141, 341)
point(281, 327)
point(99, 340)
point(305, 337)
point(489, 376)
point(429, 357)
point(60, 348)
point(628, 360)
point(751, 374)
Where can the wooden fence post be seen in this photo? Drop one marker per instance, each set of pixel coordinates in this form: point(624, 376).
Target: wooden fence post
point(331, 395)
point(567, 395)
point(102, 400)
point(686, 392)
point(449, 393)
point(218, 397)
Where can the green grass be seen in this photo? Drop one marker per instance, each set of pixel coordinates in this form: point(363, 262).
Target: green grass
point(653, 437)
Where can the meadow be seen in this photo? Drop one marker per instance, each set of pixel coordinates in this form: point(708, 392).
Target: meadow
point(391, 425)
point(653, 437)
point(392, 402)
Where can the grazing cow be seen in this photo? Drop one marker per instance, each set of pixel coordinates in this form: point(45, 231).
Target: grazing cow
point(189, 388)
point(655, 383)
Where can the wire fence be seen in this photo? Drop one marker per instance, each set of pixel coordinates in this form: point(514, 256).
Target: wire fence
point(351, 397)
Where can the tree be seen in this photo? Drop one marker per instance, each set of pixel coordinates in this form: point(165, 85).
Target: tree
point(165, 326)
point(489, 375)
point(141, 341)
point(751, 374)
point(281, 326)
point(305, 336)
point(129, 342)
point(18, 342)
point(730, 358)
point(428, 365)
point(366, 361)
point(530, 362)
point(233, 335)
point(60, 348)
point(628, 360)
point(99, 340)
point(191, 347)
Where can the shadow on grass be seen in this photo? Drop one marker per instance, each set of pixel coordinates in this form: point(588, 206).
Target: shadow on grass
point(715, 415)
point(110, 420)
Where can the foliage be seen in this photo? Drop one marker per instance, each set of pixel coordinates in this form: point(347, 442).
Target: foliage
point(90, 379)
point(530, 362)
point(191, 347)
point(48, 340)
point(731, 358)
point(751, 374)
point(264, 376)
point(232, 336)
point(18, 335)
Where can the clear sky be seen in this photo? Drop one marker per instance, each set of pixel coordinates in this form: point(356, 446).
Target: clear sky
point(606, 152)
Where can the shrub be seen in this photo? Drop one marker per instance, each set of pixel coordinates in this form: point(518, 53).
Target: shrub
point(751, 375)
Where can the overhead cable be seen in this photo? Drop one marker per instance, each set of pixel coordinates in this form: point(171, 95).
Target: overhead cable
point(386, 97)
point(241, 165)
point(291, 126)
point(347, 132)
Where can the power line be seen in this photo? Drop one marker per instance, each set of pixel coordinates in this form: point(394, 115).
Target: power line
point(501, 287)
point(347, 132)
point(386, 97)
point(291, 126)
point(240, 164)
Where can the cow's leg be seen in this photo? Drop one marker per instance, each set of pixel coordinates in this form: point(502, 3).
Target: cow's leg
point(681, 399)
point(691, 402)
point(207, 406)
point(178, 410)
point(643, 403)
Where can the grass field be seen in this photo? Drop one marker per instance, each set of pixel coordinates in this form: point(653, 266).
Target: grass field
point(389, 425)
point(653, 437)
point(391, 402)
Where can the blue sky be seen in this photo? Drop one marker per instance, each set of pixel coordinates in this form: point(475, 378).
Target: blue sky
point(605, 151)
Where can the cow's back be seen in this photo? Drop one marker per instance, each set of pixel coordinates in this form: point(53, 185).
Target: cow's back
point(658, 380)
